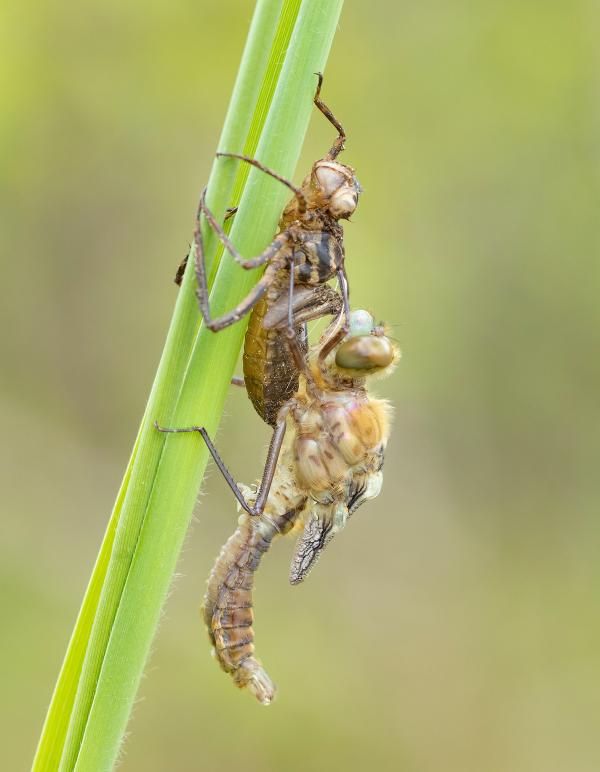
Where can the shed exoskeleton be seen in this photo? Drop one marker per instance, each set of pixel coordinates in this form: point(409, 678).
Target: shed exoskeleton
point(307, 252)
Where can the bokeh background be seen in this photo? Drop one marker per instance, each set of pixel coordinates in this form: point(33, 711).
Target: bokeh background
point(454, 625)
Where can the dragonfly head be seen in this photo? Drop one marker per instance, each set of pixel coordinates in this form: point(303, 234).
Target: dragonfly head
point(366, 349)
point(335, 188)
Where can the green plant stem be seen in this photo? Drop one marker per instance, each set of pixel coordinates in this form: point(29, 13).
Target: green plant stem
point(176, 354)
point(271, 105)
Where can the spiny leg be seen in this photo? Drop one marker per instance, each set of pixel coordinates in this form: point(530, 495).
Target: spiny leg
point(252, 262)
point(270, 464)
point(278, 244)
point(216, 457)
point(200, 270)
point(270, 255)
point(339, 143)
point(228, 213)
point(221, 235)
point(245, 305)
point(272, 173)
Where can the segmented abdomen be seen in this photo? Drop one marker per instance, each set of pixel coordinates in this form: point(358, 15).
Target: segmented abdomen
point(228, 601)
point(270, 374)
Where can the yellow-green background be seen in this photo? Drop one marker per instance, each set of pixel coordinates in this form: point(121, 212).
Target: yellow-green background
point(455, 624)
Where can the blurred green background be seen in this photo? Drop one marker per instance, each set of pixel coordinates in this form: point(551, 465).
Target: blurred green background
point(454, 625)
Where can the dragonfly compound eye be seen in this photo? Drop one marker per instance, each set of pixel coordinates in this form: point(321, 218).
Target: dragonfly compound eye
point(330, 176)
point(343, 202)
point(337, 185)
point(365, 353)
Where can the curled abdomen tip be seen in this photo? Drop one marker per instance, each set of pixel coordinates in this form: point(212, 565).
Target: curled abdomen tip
point(255, 678)
point(262, 687)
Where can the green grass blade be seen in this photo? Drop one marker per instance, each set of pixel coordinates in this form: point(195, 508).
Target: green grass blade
point(174, 361)
point(191, 386)
point(57, 719)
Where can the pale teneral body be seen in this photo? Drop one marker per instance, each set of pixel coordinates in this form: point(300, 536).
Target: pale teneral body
point(330, 463)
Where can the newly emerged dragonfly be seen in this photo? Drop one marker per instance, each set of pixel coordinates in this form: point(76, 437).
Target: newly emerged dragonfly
point(306, 253)
point(325, 460)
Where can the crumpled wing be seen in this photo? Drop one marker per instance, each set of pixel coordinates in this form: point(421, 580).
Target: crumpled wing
point(322, 527)
point(316, 535)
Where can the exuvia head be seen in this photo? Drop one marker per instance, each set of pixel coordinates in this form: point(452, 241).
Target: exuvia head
point(337, 187)
point(366, 349)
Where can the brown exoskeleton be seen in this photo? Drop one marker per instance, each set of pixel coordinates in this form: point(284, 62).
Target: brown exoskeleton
point(307, 252)
point(317, 473)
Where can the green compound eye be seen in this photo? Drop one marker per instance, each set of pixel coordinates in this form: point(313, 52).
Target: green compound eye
point(365, 353)
point(361, 323)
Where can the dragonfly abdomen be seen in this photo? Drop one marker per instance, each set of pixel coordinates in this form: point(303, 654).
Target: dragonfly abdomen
point(228, 602)
point(270, 374)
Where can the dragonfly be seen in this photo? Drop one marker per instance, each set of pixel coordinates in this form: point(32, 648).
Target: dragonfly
point(327, 462)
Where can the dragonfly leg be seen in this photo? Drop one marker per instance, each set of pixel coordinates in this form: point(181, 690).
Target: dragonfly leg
point(212, 221)
point(218, 230)
point(343, 330)
point(252, 262)
point(306, 302)
point(291, 325)
point(216, 457)
point(298, 354)
point(338, 145)
point(303, 307)
point(269, 469)
point(271, 462)
point(345, 290)
point(253, 162)
point(244, 306)
point(272, 255)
